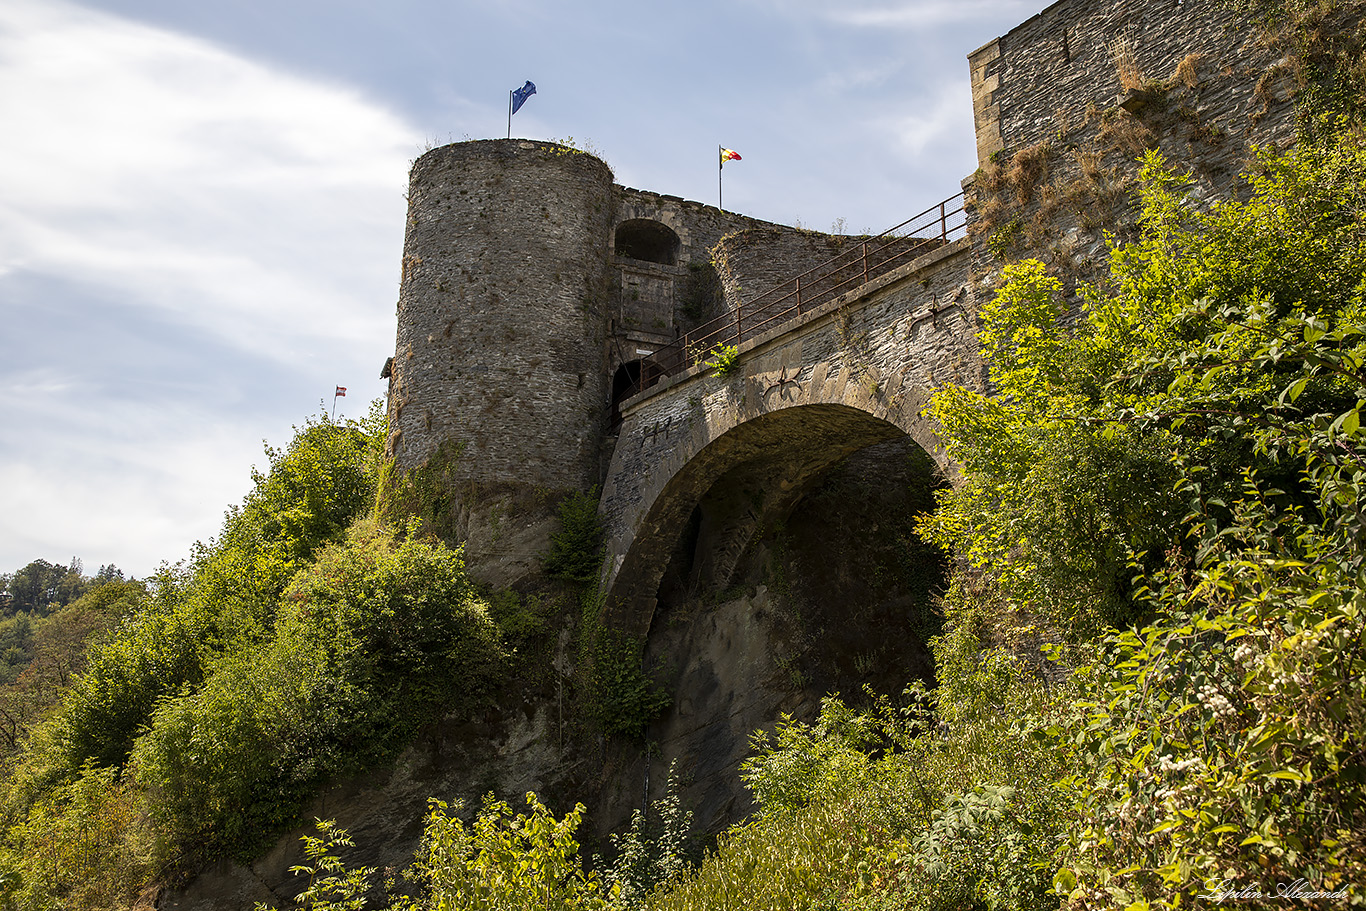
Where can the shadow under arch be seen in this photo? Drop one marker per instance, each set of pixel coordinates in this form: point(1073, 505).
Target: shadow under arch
point(743, 480)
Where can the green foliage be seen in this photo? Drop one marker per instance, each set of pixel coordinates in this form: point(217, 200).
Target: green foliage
point(803, 764)
point(376, 638)
point(227, 695)
point(502, 860)
point(426, 493)
point(332, 886)
point(654, 851)
point(315, 488)
point(622, 698)
point(225, 599)
point(44, 652)
point(888, 810)
point(80, 846)
point(1067, 497)
point(725, 360)
point(41, 587)
point(498, 862)
point(576, 548)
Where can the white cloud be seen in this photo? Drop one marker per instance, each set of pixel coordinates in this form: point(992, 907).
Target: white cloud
point(230, 194)
point(924, 14)
point(193, 247)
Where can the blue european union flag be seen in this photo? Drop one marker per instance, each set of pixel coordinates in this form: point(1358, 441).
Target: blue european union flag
point(519, 96)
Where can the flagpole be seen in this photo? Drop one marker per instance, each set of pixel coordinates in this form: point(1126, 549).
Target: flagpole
point(720, 162)
point(334, 404)
point(509, 113)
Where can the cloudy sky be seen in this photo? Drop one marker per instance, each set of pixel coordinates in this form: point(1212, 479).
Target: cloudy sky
point(201, 204)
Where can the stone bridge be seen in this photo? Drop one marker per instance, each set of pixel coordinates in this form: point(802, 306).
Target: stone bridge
point(704, 462)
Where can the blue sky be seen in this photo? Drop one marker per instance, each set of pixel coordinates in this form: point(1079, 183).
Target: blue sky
point(201, 204)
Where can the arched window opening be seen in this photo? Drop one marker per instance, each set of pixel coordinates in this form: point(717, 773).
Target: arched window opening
point(632, 378)
point(625, 384)
point(647, 240)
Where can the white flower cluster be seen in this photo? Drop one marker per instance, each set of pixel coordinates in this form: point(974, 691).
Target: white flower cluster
point(1215, 701)
point(1169, 766)
point(1247, 653)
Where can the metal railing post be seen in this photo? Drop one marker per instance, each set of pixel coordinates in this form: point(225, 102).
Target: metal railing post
point(799, 296)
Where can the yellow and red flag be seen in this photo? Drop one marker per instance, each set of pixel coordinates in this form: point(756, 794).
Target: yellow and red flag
point(728, 154)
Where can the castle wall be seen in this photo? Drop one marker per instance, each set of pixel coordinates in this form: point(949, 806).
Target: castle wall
point(1066, 102)
point(657, 298)
point(1041, 78)
point(502, 316)
point(762, 266)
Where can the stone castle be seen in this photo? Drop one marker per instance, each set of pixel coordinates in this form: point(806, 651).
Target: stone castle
point(560, 333)
point(540, 302)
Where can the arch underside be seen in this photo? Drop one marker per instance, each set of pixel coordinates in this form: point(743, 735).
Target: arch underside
point(747, 479)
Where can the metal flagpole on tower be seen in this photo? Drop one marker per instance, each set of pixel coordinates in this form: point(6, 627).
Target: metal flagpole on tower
point(720, 163)
point(509, 113)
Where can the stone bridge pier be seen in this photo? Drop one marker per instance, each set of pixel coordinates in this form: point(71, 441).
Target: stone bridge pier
point(703, 463)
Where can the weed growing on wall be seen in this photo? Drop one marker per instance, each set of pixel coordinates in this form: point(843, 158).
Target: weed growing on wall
point(576, 547)
point(428, 492)
point(725, 360)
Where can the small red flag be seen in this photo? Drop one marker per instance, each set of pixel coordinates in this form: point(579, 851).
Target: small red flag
point(341, 391)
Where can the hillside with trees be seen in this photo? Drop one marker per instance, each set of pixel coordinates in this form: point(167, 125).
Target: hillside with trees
point(1149, 671)
point(1150, 678)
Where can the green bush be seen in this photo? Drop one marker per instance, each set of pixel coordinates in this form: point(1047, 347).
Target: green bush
point(622, 699)
point(576, 549)
point(376, 638)
point(725, 360)
point(225, 598)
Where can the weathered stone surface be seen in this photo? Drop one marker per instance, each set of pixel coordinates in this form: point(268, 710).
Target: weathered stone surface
point(522, 302)
point(853, 373)
point(1059, 131)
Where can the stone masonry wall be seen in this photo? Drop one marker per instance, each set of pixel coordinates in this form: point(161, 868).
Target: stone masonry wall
point(501, 311)
point(501, 329)
point(759, 266)
point(707, 235)
point(1066, 102)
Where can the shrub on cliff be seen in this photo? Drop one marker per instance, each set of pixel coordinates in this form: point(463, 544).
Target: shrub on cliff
point(375, 638)
point(575, 553)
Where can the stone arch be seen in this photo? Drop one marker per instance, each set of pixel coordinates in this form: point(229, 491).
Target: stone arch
point(750, 464)
point(647, 240)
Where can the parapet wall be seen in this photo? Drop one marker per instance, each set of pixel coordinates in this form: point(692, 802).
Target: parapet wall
point(1044, 78)
point(1065, 103)
point(763, 268)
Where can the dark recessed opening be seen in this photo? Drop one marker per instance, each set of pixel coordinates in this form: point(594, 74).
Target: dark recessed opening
point(625, 383)
point(647, 240)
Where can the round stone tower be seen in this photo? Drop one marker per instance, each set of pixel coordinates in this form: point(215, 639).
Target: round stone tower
point(498, 382)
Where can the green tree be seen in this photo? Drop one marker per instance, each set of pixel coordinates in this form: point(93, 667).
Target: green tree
point(506, 860)
point(377, 637)
point(1068, 494)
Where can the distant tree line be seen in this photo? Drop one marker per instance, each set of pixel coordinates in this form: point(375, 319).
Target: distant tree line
point(42, 587)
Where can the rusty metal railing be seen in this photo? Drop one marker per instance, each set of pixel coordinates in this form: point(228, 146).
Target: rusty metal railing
point(867, 259)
